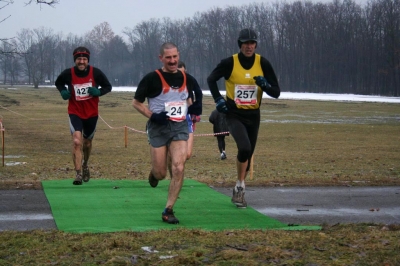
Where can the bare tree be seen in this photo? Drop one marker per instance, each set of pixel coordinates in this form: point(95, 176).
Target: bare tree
point(97, 40)
point(117, 62)
point(63, 52)
point(100, 35)
point(38, 48)
point(386, 15)
point(145, 40)
point(336, 47)
point(45, 2)
point(4, 4)
point(5, 60)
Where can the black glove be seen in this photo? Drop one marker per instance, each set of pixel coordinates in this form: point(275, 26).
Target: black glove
point(221, 105)
point(160, 118)
point(261, 82)
point(65, 94)
point(195, 109)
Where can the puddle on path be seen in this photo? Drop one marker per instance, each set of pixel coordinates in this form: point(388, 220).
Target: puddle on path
point(330, 120)
point(14, 157)
point(14, 163)
point(394, 212)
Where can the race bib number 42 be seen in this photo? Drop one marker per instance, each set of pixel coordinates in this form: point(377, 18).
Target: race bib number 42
point(82, 91)
point(176, 110)
point(246, 94)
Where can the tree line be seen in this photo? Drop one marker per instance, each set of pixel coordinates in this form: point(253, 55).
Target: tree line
point(335, 47)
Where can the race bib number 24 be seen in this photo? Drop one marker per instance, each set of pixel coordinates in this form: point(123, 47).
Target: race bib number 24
point(176, 110)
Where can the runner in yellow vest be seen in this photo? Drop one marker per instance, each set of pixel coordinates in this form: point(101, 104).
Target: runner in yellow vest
point(247, 75)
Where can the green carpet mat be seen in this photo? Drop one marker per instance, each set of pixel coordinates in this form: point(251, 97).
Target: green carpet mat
point(127, 205)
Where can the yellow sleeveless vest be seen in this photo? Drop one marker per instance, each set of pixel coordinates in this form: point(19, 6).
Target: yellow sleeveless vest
point(241, 84)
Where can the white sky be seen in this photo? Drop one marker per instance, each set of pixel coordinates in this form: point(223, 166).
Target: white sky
point(81, 16)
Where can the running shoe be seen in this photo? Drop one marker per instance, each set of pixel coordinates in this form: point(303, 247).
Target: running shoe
point(223, 155)
point(238, 197)
point(169, 217)
point(77, 180)
point(152, 180)
point(85, 173)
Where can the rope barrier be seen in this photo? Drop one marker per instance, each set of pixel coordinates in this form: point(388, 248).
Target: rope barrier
point(212, 134)
point(13, 112)
point(125, 135)
point(130, 128)
point(30, 118)
point(144, 132)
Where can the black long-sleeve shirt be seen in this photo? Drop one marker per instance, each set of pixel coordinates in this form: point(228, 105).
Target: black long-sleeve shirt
point(225, 67)
point(65, 78)
point(197, 107)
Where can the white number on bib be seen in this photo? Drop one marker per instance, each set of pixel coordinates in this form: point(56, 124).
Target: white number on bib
point(82, 91)
point(246, 94)
point(176, 111)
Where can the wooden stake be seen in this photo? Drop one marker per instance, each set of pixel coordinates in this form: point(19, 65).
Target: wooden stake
point(2, 140)
point(126, 136)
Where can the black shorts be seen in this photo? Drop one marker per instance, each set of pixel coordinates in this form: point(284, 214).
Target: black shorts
point(86, 126)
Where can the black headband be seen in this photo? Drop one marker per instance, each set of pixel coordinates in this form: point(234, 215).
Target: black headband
point(81, 54)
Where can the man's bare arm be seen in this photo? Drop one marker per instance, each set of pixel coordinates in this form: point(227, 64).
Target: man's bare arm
point(141, 108)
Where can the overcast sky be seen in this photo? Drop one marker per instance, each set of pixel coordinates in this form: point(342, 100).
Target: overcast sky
point(80, 16)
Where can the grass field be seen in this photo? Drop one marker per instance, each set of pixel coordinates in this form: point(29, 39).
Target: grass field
point(301, 143)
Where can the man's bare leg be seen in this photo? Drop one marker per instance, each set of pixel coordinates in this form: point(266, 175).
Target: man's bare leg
point(190, 146)
point(87, 148)
point(178, 151)
point(238, 191)
point(169, 163)
point(158, 165)
point(77, 156)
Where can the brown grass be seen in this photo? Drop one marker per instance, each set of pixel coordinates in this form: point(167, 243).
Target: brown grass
point(301, 143)
point(360, 244)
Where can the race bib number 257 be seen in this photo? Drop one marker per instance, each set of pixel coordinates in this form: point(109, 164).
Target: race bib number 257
point(246, 94)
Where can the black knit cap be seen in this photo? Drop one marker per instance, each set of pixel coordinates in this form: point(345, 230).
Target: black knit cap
point(81, 51)
point(246, 35)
